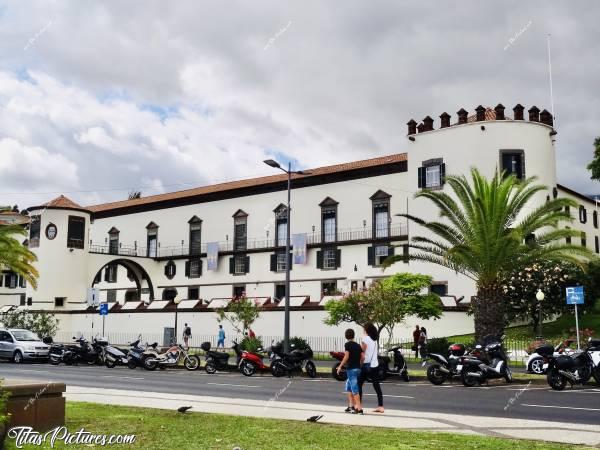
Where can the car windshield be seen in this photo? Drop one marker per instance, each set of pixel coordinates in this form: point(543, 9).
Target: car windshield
point(24, 335)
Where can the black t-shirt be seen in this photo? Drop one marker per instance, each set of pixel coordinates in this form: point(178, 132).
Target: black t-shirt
point(187, 331)
point(354, 350)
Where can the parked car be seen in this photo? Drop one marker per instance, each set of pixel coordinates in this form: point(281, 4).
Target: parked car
point(20, 345)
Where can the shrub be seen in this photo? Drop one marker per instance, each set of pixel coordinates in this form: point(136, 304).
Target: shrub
point(251, 344)
point(438, 345)
point(41, 323)
point(298, 343)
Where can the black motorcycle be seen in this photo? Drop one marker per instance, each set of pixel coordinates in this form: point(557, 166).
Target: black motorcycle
point(295, 361)
point(72, 354)
point(109, 354)
point(491, 363)
point(445, 368)
point(576, 368)
point(137, 353)
point(220, 360)
point(399, 368)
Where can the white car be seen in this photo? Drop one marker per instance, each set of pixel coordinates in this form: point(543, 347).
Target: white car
point(20, 345)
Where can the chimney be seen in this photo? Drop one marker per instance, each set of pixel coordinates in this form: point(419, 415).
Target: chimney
point(421, 128)
point(462, 116)
point(518, 110)
point(499, 112)
point(445, 120)
point(428, 122)
point(480, 111)
point(412, 126)
point(534, 114)
point(546, 118)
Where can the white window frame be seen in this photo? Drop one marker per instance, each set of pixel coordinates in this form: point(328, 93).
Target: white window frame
point(381, 252)
point(329, 259)
point(239, 265)
point(433, 176)
point(329, 228)
point(194, 268)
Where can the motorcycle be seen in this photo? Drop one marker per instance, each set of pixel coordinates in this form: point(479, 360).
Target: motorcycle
point(112, 356)
point(400, 368)
point(72, 354)
point(137, 353)
point(219, 360)
point(250, 362)
point(342, 375)
point(538, 364)
point(295, 361)
point(491, 363)
point(443, 368)
point(171, 358)
point(576, 368)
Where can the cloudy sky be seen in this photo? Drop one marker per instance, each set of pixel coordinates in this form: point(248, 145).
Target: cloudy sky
point(99, 98)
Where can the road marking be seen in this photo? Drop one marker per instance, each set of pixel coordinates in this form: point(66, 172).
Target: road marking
point(561, 407)
point(118, 376)
point(29, 370)
point(387, 395)
point(235, 385)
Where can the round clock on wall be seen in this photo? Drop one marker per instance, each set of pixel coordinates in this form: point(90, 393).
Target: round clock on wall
point(51, 231)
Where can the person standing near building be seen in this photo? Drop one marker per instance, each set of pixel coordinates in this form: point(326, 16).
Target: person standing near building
point(423, 343)
point(353, 359)
point(221, 340)
point(369, 371)
point(416, 336)
point(251, 333)
point(187, 335)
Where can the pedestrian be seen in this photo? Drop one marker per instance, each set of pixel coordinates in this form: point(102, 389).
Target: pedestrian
point(370, 346)
point(353, 359)
point(187, 335)
point(221, 340)
point(423, 342)
point(416, 336)
point(251, 333)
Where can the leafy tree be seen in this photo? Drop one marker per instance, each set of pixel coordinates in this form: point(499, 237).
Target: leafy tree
point(41, 323)
point(386, 303)
point(14, 256)
point(241, 313)
point(594, 166)
point(486, 231)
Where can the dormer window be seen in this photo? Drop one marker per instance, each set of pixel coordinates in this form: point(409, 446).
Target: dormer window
point(152, 240)
point(328, 220)
point(280, 225)
point(113, 241)
point(381, 214)
point(195, 236)
point(240, 231)
point(431, 174)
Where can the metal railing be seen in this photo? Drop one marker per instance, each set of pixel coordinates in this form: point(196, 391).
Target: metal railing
point(122, 250)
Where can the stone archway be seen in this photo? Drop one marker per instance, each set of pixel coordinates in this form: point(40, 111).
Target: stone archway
point(139, 275)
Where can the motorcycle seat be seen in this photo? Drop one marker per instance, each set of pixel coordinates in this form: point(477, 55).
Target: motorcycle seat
point(218, 355)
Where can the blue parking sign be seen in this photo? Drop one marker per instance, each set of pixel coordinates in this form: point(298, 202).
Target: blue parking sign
point(103, 309)
point(575, 295)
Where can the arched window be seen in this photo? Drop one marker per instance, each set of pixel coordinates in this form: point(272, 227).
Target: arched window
point(170, 270)
point(582, 214)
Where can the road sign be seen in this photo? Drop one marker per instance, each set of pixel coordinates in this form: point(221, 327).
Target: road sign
point(575, 295)
point(93, 297)
point(103, 309)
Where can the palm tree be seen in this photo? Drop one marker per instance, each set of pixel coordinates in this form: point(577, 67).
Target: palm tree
point(486, 231)
point(14, 256)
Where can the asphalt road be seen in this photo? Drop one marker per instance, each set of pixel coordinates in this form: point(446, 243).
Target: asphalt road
point(537, 402)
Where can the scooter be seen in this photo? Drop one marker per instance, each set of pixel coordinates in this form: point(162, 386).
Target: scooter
point(137, 353)
point(251, 362)
point(538, 364)
point(444, 368)
point(400, 368)
point(492, 363)
point(576, 368)
point(219, 360)
point(171, 358)
point(294, 361)
point(111, 355)
point(72, 354)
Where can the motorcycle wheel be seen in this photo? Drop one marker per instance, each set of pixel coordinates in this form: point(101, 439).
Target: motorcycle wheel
point(55, 361)
point(92, 362)
point(556, 380)
point(131, 364)
point(435, 375)
point(508, 375)
point(149, 364)
point(585, 374)
point(248, 369)
point(311, 370)
point(342, 376)
point(277, 370)
point(536, 365)
point(469, 381)
point(382, 372)
point(210, 367)
point(108, 363)
point(405, 376)
point(597, 375)
point(192, 362)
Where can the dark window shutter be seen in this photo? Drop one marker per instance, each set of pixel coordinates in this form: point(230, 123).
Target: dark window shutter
point(391, 250)
point(597, 244)
point(319, 259)
point(274, 262)
point(200, 267)
point(106, 273)
point(187, 268)
point(405, 252)
point(338, 258)
point(420, 177)
point(291, 260)
point(2, 278)
point(231, 265)
point(442, 173)
point(595, 218)
point(371, 256)
point(247, 265)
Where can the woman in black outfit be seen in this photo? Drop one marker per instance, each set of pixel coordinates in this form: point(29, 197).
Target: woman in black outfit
point(369, 371)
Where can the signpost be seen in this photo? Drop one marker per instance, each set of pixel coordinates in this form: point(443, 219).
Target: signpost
point(575, 297)
point(103, 313)
point(93, 299)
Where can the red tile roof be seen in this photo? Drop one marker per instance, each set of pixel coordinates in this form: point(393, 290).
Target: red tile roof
point(62, 202)
point(221, 187)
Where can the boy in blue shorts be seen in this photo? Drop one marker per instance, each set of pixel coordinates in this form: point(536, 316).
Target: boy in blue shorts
point(353, 359)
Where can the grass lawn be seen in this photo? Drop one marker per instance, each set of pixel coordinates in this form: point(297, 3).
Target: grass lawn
point(161, 429)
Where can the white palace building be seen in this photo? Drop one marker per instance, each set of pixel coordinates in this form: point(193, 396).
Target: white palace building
point(209, 244)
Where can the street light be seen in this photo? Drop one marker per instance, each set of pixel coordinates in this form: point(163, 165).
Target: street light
point(286, 320)
point(177, 301)
point(540, 298)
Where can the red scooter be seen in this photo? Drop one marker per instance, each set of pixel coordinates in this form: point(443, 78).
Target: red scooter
point(251, 362)
point(342, 375)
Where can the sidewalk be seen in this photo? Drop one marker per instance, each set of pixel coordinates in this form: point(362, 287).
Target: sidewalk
point(425, 421)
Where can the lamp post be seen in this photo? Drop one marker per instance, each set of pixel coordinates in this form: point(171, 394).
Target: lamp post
point(286, 320)
point(177, 301)
point(540, 298)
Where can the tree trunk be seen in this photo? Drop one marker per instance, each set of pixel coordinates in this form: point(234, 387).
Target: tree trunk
point(488, 312)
